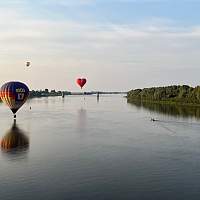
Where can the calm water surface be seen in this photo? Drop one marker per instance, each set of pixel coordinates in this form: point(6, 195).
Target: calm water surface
point(83, 149)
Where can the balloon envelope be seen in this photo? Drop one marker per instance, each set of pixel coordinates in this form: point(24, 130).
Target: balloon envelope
point(81, 82)
point(28, 64)
point(14, 94)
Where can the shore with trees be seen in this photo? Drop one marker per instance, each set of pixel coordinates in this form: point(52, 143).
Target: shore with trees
point(49, 93)
point(181, 94)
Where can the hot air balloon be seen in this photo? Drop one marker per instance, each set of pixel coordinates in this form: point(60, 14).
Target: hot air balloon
point(28, 64)
point(81, 82)
point(14, 94)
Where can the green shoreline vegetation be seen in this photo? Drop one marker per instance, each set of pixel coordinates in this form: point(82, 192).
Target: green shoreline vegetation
point(175, 94)
point(172, 109)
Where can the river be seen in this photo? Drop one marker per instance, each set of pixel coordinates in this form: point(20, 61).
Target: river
point(78, 148)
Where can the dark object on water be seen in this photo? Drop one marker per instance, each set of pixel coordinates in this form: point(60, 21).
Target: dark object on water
point(97, 96)
point(153, 120)
point(30, 107)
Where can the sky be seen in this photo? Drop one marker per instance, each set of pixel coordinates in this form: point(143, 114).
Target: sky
point(117, 45)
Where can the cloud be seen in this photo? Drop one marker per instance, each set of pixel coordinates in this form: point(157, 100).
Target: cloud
point(66, 46)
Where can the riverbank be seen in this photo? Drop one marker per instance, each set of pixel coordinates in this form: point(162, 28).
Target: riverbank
point(182, 95)
point(47, 93)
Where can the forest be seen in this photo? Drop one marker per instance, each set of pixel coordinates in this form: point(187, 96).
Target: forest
point(183, 94)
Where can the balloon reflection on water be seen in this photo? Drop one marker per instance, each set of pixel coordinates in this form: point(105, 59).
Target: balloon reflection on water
point(82, 120)
point(15, 140)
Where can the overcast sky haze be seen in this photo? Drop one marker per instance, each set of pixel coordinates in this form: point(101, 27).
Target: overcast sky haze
point(116, 44)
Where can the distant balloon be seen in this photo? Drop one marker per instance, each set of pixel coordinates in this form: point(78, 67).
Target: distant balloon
point(81, 82)
point(14, 94)
point(28, 64)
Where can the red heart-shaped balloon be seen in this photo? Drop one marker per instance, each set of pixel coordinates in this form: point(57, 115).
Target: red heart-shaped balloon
point(81, 82)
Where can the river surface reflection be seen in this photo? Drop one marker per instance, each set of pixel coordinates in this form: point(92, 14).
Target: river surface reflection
point(15, 142)
point(81, 149)
point(170, 109)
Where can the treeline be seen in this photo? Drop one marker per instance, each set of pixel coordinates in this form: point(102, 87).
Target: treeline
point(175, 93)
point(47, 93)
